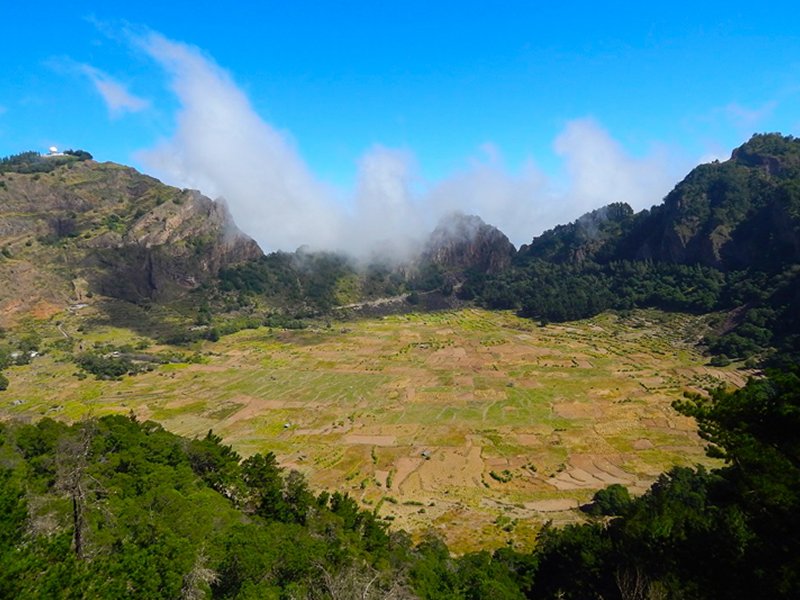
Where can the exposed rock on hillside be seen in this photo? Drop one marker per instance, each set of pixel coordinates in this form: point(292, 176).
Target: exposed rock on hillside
point(462, 242)
point(741, 213)
point(126, 234)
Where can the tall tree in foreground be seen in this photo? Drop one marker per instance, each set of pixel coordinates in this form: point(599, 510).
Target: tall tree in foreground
point(72, 459)
point(755, 430)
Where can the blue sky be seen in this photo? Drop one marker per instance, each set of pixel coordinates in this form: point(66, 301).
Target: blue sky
point(395, 105)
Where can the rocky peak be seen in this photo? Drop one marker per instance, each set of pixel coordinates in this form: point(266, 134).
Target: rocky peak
point(731, 215)
point(462, 242)
point(774, 153)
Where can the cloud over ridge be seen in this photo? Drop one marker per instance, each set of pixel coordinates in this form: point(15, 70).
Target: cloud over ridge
point(224, 148)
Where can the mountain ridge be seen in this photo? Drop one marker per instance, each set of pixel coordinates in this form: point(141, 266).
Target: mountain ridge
point(721, 215)
point(726, 238)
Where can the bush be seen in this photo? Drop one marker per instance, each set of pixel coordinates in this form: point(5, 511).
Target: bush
point(503, 477)
point(106, 366)
point(720, 361)
point(611, 501)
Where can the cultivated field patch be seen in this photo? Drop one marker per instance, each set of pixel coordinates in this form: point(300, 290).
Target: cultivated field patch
point(456, 421)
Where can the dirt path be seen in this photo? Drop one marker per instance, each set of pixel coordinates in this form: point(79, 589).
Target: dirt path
point(374, 303)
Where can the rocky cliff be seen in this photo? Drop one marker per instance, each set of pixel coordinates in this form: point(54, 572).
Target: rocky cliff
point(462, 242)
point(737, 214)
point(87, 228)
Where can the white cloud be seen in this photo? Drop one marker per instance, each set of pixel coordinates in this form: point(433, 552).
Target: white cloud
point(224, 148)
point(117, 98)
point(387, 214)
point(526, 201)
point(600, 171)
point(519, 203)
point(746, 118)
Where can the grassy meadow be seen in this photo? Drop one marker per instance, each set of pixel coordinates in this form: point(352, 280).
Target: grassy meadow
point(480, 425)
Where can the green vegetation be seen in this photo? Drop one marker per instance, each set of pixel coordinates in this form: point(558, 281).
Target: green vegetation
point(33, 162)
point(612, 501)
point(115, 508)
point(503, 477)
point(558, 292)
point(107, 366)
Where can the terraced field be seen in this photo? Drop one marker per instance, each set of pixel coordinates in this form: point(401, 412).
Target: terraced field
point(479, 424)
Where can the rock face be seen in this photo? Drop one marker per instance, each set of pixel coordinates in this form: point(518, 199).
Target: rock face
point(172, 248)
point(121, 233)
point(737, 214)
point(462, 242)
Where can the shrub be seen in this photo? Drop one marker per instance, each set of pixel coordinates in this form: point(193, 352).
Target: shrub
point(611, 501)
